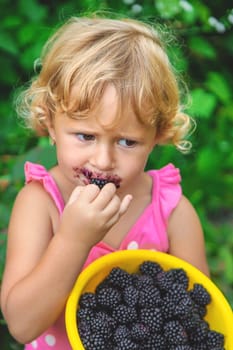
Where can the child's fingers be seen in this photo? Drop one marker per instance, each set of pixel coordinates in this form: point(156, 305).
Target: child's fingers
point(105, 196)
point(84, 193)
point(116, 209)
point(75, 194)
point(125, 204)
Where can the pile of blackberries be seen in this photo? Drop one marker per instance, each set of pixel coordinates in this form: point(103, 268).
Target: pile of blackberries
point(148, 310)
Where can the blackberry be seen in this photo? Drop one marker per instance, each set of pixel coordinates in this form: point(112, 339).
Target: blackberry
point(126, 344)
point(176, 292)
point(200, 295)
point(101, 326)
point(85, 314)
point(93, 342)
point(148, 310)
point(150, 268)
point(119, 278)
point(191, 322)
point(152, 318)
point(199, 334)
point(84, 329)
point(121, 332)
point(179, 276)
point(99, 182)
point(149, 297)
point(175, 333)
point(167, 308)
point(214, 340)
point(155, 341)
point(201, 310)
point(201, 346)
point(164, 281)
point(124, 314)
point(87, 300)
point(181, 347)
point(184, 307)
point(142, 282)
point(130, 296)
point(108, 297)
point(103, 284)
point(139, 332)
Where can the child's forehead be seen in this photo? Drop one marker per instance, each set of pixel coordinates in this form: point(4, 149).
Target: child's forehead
point(107, 108)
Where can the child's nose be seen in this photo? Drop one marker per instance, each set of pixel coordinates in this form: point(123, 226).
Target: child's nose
point(103, 158)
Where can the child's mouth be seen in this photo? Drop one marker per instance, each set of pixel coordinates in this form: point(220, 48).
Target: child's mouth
point(98, 179)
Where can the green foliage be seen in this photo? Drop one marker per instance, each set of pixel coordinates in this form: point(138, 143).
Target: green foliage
point(202, 55)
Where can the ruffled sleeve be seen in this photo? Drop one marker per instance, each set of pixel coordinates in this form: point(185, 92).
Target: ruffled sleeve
point(36, 172)
point(166, 189)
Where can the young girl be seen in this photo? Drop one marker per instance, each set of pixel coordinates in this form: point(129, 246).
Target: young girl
point(106, 95)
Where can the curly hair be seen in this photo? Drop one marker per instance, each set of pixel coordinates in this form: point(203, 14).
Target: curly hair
point(88, 53)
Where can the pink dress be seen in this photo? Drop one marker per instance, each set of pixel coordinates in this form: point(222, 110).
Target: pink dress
point(148, 232)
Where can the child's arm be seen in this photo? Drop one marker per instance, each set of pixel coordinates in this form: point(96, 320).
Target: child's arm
point(186, 236)
point(41, 267)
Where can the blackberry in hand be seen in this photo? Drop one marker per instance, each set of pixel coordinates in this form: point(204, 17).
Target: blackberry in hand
point(99, 182)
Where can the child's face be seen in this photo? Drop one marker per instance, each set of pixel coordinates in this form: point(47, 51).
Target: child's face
point(87, 149)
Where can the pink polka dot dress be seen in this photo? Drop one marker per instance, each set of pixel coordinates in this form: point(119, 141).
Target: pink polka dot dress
point(148, 232)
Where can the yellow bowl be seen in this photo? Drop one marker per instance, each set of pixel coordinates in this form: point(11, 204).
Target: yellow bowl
point(219, 312)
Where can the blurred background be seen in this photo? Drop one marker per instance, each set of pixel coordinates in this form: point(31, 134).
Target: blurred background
point(202, 55)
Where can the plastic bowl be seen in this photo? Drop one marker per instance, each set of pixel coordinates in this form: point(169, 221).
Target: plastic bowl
point(219, 313)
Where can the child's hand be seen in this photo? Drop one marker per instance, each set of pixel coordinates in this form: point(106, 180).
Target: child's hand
point(91, 212)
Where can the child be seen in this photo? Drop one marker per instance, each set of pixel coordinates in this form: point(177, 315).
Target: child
point(106, 95)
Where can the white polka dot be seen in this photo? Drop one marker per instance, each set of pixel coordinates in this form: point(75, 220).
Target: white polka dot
point(132, 245)
point(50, 340)
point(34, 344)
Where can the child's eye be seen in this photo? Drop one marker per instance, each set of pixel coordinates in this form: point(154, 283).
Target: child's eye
point(127, 143)
point(85, 137)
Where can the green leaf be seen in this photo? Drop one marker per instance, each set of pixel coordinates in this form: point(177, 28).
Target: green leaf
point(7, 43)
point(203, 103)
point(226, 256)
point(168, 8)
point(202, 47)
point(3, 239)
point(33, 11)
point(42, 155)
point(207, 163)
point(219, 86)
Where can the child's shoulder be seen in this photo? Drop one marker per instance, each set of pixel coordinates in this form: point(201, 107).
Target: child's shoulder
point(33, 195)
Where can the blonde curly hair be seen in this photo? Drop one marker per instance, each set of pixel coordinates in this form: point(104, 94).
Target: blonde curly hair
point(89, 53)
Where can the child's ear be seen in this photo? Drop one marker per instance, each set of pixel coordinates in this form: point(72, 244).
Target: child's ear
point(48, 121)
point(51, 132)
